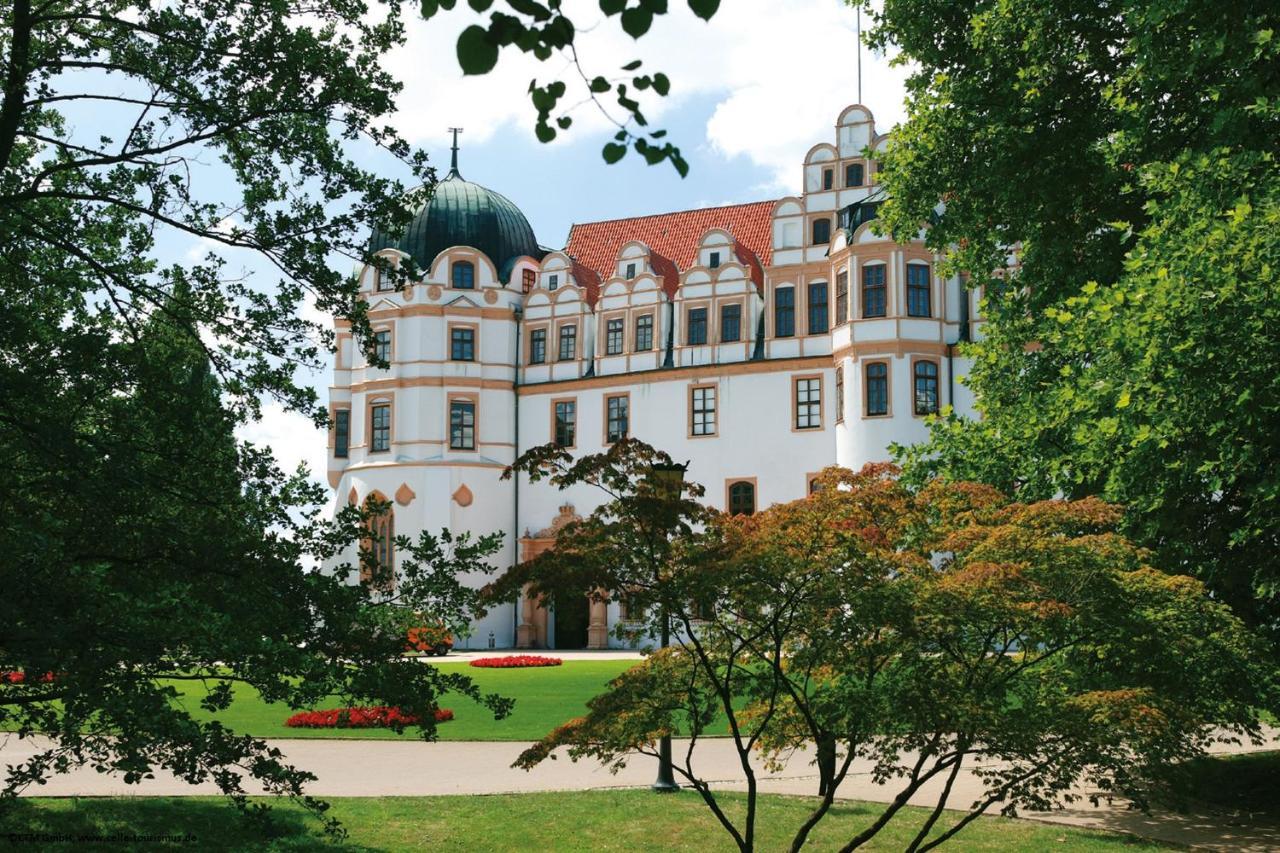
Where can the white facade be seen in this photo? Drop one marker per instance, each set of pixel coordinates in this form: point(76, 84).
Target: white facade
point(769, 406)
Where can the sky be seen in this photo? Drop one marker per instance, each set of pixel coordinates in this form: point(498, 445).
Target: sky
point(751, 91)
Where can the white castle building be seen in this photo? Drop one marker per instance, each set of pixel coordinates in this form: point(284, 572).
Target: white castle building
point(762, 342)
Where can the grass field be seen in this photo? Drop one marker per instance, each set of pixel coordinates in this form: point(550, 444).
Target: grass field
point(545, 698)
point(633, 821)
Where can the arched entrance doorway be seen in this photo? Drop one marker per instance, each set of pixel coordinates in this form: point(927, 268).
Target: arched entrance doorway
point(572, 614)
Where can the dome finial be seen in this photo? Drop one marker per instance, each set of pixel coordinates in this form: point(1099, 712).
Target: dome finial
point(453, 166)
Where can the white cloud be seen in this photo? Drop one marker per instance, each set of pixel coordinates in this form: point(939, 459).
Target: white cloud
point(781, 73)
point(292, 437)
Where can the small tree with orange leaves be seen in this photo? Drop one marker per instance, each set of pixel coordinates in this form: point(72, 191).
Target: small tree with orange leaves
point(917, 635)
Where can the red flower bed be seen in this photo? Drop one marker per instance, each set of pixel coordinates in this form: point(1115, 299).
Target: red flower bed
point(514, 661)
point(13, 677)
point(359, 718)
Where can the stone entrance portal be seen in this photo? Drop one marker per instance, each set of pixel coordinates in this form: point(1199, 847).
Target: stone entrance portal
point(532, 632)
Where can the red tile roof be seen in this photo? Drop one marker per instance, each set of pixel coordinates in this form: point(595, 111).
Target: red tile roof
point(675, 236)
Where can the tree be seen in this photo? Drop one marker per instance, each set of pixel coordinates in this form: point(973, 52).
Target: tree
point(142, 544)
point(1124, 152)
point(920, 632)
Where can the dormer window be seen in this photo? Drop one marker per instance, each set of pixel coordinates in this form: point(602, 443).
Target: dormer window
point(553, 282)
point(464, 275)
point(854, 174)
point(381, 281)
point(714, 263)
point(526, 280)
point(631, 271)
point(828, 178)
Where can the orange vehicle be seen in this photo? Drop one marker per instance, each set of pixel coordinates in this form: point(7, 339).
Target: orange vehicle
point(430, 639)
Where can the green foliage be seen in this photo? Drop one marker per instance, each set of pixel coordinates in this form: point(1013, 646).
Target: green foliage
point(922, 630)
point(1125, 153)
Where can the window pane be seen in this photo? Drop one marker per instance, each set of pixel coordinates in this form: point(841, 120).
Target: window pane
point(631, 270)
point(853, 175)
point(817, 308)
point(538, 346)
point(617, 418)
point(462, 344)
point(715, 260)
point(877, 388)
point(808, 403)
point(568, 342)
point(821, 231)
point(341, 433)
point(526, 280)
point(644, 333)
point(553, 282)
point(703, 411)
point(873, 291)
point(839, 393)
point(730, 323)
point(742, 498)
point(842, 297)
point(697, 333)
point(462, 425)
point(827, 178)
point(918, 290)
point(784, 312)
point(382, 345)
point(926, 396)
point(566, 423)
point(381, 423)
point(464, 275)
point(613, 337)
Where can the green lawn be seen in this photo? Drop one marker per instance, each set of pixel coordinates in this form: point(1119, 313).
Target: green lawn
point(633, 821)
point(545, 698)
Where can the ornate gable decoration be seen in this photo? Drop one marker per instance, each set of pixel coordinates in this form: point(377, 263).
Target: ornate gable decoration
point(565, 516)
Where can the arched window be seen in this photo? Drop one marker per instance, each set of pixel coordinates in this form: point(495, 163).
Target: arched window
point(464, 275)
point(742, 498)
point(853, 175)
point(926, 377)
point(821, 231)
point(380, 545)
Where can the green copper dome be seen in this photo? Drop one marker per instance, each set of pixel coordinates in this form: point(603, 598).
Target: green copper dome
point(461, 213)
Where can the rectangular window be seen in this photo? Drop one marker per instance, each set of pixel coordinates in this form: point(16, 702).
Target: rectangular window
point(644, 333)
point(809, 403)
point(926, 382)
point(821, 232)
point(462, 344)
point(839, 394)
point(526, 280)
point(380, 421)
point(918, 291)
point(568, 342)
point(853, 175)
point(697, 333)
point(842, 297)
point(462, 425)
point(538, 346)
point(817, 308)
point(341, 433)
point(566, 422)
point(613, 336)
point(730, 323)
point(553, 282)
point(784, 312)
point(715, 260)
point(631, 270)
point(873, 291)
point(382, 345)
point(877, 382)
point(382, 281)
point(828, 178)
point(617, 418)
point(702, 411)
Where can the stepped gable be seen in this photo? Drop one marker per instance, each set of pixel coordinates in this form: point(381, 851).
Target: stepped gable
point(674, 238)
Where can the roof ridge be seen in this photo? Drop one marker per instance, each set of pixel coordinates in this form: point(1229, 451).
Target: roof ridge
point(674, 212)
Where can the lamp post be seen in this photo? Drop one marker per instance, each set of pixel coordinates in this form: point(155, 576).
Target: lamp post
point(668, 481)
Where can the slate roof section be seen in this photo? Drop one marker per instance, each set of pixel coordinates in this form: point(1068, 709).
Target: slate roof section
point(674, 237)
